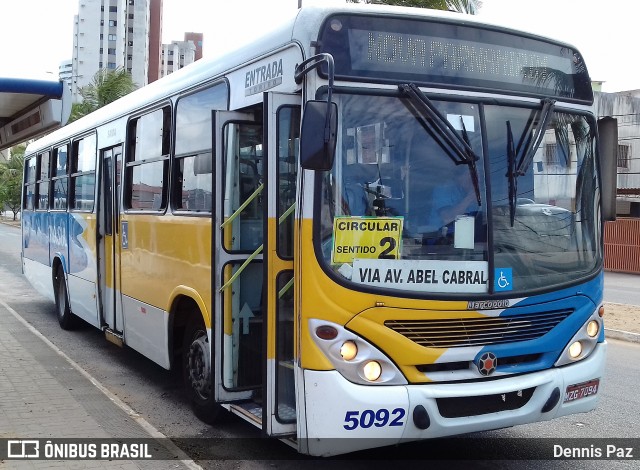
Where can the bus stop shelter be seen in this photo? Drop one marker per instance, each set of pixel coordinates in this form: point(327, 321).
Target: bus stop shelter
point(30, 108)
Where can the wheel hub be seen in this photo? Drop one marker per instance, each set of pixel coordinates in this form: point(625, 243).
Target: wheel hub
point(200, 367)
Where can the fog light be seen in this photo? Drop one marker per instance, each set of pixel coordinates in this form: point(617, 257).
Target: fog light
point(372, 371)
point(575, 350)
point(592, 328)
point(348, 350)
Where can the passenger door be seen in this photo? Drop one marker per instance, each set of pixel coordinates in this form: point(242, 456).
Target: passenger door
point(108, 240)
point(253, 286)
point(282, 126)
point(237, 249)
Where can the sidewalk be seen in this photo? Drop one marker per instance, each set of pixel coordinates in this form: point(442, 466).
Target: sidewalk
point(44, 395)
point(9, 221)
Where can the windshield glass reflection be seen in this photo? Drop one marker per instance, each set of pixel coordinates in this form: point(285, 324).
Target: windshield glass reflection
point(393, 172)
point(401, 210)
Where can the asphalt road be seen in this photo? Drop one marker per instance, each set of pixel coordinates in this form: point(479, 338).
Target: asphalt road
point(622, 288)
point(157, 395)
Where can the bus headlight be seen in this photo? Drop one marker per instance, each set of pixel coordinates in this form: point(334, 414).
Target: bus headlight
point(575, 349)
point(372, 371)
point(348, 350)
point(583, 342)
point(593, 328)
point(355, 358)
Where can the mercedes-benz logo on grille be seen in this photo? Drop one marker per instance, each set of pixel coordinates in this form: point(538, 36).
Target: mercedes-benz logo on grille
point(487, 363)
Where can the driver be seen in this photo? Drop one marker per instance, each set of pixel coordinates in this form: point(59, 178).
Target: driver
point(453, 198)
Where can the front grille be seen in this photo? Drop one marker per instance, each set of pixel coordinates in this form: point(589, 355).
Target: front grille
point(460, 332)
point(462, 407)
point(466, 365)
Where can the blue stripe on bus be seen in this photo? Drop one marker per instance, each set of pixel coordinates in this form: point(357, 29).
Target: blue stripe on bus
point(582, 300)
point(58, 229)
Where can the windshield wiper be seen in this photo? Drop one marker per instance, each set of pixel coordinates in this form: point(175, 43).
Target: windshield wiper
point(460, 146)
point(518, 167)
point(511, 174)
point(533, 143)
point(473, 170)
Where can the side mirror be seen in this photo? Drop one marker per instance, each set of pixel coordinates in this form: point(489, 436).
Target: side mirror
point(608, 150)
point(318, 136)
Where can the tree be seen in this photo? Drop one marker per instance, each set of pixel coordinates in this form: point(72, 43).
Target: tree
point(107, 86)
point(461, 6)
point(11, 181)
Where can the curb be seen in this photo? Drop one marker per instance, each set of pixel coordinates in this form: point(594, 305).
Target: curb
point(167, 443)
point(10, 222)
point(622, 335)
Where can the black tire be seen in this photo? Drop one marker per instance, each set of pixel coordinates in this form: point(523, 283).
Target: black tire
point(66, 318)
point(197, 370)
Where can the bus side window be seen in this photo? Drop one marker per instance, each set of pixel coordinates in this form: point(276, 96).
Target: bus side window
point(83, 173)
point(30, 183)
point(148, 161)
point(192, 183)
point(42, 202)
point(60, 177)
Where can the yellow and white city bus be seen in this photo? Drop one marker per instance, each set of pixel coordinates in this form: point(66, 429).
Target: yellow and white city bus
point(372, 222)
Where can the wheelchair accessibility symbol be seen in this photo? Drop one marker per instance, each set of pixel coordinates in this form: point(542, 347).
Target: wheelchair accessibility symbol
point(125, 235)
point(503, 279)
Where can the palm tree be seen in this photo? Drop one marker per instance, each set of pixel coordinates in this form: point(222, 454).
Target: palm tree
point(462, 6)
point(465, 6)
point(107, 86)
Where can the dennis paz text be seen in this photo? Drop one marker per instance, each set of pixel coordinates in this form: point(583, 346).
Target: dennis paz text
point(608, 451)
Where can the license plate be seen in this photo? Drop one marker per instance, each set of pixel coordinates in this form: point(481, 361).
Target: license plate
point(583, 390)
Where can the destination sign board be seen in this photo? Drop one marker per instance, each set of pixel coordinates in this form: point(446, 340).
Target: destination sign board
point(453, 55)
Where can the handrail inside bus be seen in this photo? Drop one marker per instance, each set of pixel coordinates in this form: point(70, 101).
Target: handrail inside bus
point(251, 257)
point(241, 268)
point(286, 213)
point(243, 205)
point(287, 286)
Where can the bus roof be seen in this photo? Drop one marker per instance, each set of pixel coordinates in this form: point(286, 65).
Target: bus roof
point(302, 27)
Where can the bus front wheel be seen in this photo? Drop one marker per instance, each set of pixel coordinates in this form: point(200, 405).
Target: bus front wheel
point(66, 318)
point(196, 366)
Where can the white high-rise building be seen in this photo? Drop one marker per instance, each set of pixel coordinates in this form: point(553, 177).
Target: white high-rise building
point(176, 55)
point(65, 72)
point(110, 34)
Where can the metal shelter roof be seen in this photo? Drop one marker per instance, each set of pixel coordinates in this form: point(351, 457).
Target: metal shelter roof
point(30, 107)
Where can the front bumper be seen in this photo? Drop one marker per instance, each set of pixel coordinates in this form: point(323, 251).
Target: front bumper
point(344, 417)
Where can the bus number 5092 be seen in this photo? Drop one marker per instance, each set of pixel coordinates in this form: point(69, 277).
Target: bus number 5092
point(368, 418)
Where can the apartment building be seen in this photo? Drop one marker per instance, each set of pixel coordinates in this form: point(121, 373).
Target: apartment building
point(176, 55)
point(111, 34)
point(197, 40)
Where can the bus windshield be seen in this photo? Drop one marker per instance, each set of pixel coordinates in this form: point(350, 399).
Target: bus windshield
point(509, 204)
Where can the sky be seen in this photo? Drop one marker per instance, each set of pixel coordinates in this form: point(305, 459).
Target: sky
point(605, 32)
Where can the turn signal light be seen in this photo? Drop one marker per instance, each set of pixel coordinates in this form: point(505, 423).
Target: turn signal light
point(326, 332)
